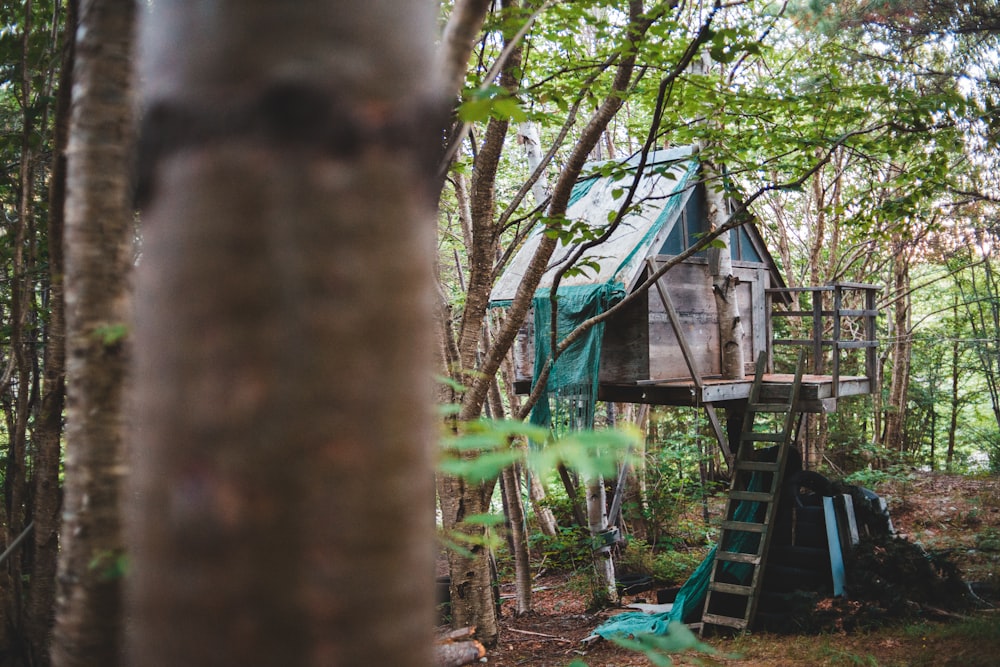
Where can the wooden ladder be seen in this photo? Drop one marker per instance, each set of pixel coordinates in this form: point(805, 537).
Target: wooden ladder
point(751, 508)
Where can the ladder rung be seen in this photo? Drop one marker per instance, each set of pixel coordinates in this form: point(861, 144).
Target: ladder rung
point(734, 589)
point(728, 621)
point(734, 557)
point(770, 407)
point(755, 496)
point(762, 437)
point(757, 466)
point(744, 526)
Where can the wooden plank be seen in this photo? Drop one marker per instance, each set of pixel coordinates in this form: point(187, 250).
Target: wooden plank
point(746, 299)
point(788, 290)
point(734, 557)
point(728, 621)
point(732, 589)
point(815, 395)
point(770, 407)
point(757, 466)
point(743, 526)
point(833, 541)
point(760, 310)
point(856, 344)
point(753, 436)
point(755, 496)
point(721, 393)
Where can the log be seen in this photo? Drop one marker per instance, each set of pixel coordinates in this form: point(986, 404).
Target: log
point(459, 653)
point(467, 632)
point(457, 648)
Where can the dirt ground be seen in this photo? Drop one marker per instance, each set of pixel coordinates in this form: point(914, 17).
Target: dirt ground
point(952, 515)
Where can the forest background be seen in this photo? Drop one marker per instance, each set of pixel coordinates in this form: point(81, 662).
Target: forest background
point(860, 135)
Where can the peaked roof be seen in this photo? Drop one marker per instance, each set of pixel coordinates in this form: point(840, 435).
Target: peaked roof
point(659, 198)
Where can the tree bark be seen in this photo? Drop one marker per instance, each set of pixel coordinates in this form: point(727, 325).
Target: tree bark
point(727, 308)
point(902, 346)
point(597, 522)
point(522, 565)
point(49, 426)
point(283, 336)
point(954, 403)
point(89, 619)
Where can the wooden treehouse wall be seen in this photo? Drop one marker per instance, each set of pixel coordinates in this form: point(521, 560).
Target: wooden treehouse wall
point(640, 342)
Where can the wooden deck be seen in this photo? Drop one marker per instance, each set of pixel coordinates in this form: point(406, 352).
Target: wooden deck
point(817, 394)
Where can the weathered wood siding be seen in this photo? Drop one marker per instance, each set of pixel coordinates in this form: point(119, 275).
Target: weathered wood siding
point(690, 289)
point(625, 350)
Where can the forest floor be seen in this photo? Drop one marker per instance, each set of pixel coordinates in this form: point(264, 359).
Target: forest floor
point(955, 516)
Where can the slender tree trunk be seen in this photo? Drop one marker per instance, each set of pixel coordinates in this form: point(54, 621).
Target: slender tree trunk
point(902, 346)
point(514, 509)
point(635, 491)
point(471, 580)
point(49, 427)
point(597, 519)
point(89, 618)
point(953, 403)
point(522, 565)
point(543, 514)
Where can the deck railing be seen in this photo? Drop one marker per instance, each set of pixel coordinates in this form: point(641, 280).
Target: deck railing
point(858, 340)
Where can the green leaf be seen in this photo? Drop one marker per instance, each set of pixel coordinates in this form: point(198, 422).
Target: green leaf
point(482, 467)
point(111, 334)
point(509, 108)
point(495, 101)
point(448, 382)
point(474, 111)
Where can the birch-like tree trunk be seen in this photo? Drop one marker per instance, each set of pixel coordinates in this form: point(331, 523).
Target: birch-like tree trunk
point(727, 307)
point(597, 520)
point(283, 377)
point(89, 618)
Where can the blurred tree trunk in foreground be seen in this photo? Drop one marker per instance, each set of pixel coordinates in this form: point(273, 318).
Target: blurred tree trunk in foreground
point(283, 418)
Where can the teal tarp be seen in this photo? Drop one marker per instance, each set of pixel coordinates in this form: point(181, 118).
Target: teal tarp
point(572, 384)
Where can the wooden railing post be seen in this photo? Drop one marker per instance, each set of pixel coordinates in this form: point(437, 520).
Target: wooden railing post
point(817, 337)
point(835, 343)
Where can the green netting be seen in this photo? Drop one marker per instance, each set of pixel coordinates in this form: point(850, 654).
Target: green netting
point(690, 600)
point(571, 389)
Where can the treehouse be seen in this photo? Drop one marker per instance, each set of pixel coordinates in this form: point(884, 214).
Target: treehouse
point(661, 341)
